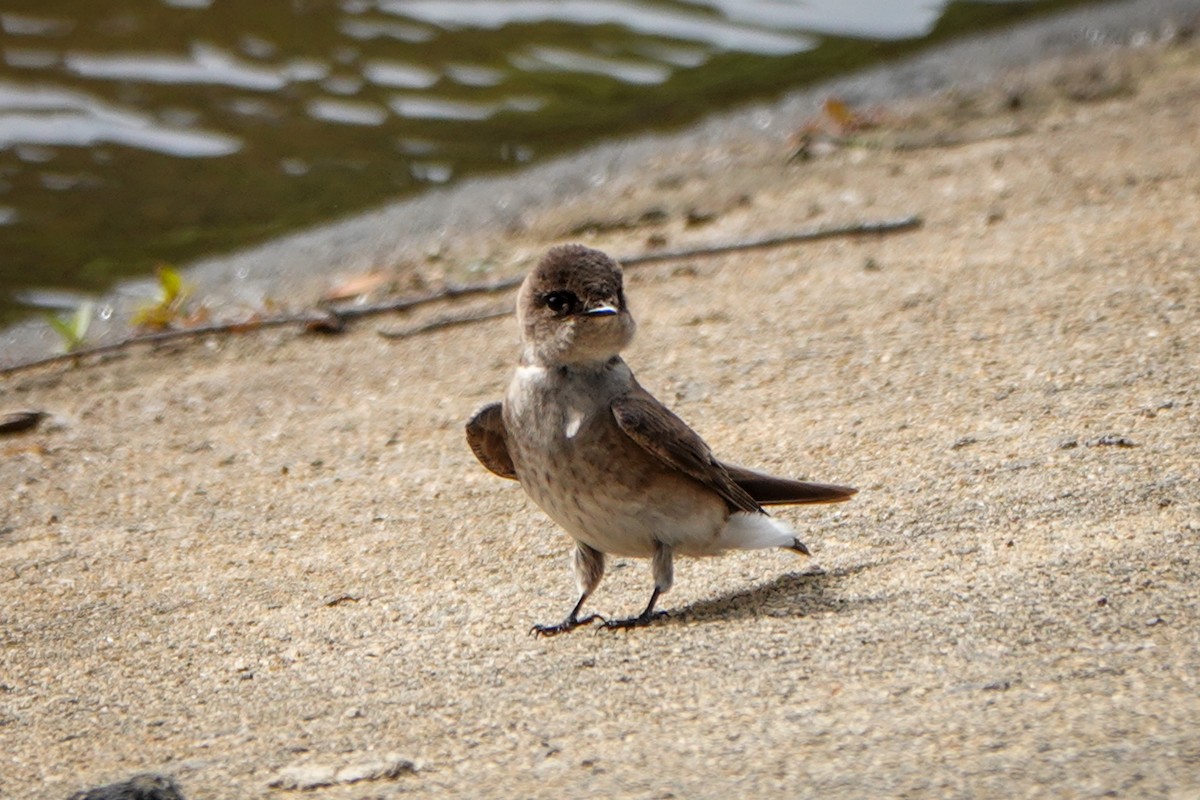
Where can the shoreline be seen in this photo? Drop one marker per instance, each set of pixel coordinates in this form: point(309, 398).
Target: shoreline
point(414, 238)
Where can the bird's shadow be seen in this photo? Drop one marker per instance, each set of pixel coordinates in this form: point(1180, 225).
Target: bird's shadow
point(794, 594)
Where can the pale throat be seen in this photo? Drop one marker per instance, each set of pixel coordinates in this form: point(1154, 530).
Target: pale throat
point(580, 389)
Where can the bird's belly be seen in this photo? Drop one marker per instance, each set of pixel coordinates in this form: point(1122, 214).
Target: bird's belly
point(613, 517)
point(610, 494)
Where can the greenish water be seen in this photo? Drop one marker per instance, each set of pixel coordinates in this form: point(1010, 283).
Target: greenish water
point(134, 132)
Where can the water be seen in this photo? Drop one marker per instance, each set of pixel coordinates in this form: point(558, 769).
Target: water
point(134, 132)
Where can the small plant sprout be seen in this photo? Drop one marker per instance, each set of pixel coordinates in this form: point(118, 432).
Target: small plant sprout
point(169, 308)
point(74, 329)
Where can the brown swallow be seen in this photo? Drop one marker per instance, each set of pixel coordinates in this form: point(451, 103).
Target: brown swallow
point(604, 459)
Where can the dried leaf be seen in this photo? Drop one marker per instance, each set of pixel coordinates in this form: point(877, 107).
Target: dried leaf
point(839, 112)
point(846, 118)
point(355, 286)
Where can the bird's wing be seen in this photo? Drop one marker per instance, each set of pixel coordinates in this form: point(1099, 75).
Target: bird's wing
point(486, 435)
point(770, 490)
point(665, 436)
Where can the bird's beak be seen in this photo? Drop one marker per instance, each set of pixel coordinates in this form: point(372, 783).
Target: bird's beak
point(601, 310)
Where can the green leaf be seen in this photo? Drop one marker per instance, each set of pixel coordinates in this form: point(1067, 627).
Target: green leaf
point(62, 328)
point(72, 331)
point(82, 321)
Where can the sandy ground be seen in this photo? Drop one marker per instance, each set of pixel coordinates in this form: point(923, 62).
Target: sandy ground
point(267, 562)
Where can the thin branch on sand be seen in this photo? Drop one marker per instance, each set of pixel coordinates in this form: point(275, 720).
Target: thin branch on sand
point(447, 321)
point(333, 319)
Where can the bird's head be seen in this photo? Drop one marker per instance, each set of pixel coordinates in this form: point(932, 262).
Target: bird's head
point(571, 308)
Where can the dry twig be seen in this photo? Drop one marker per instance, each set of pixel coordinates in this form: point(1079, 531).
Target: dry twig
point(332, 319)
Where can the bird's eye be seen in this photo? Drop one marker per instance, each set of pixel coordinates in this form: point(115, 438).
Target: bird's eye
point(561, 302)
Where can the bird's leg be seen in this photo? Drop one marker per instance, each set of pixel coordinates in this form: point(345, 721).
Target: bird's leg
point(664, 576)
point(588, 564)
point(645, 618)
point(571, 622)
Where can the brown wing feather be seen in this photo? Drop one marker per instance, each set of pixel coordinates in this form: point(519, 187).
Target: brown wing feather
point(771, 490)
point(486, 436)
point(668, 438)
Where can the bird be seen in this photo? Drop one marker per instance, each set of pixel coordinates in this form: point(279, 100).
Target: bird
point(605, 460)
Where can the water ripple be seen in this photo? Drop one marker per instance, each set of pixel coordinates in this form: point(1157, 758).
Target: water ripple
point(346, 113)
point(635, 17)
point(207, 65)
point(367, 29)
point(23, 25)
point(43, 116)
point(424, 107)
point(553, 58)
point(396, 75)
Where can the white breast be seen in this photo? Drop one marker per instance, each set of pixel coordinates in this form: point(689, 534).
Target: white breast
point(574, 420)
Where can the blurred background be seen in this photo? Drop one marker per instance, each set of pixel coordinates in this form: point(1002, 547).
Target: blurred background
point(134, 132)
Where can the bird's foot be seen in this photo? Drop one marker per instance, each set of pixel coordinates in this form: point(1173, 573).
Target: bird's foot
point(646, 618)
point(568, 624)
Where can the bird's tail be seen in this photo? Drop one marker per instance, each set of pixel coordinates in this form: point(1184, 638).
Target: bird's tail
point(771, 490)
point(754, 531)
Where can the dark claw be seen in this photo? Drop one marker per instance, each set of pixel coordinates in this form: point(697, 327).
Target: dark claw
point(800, 547)
point(633, 622)
point(568, 624)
